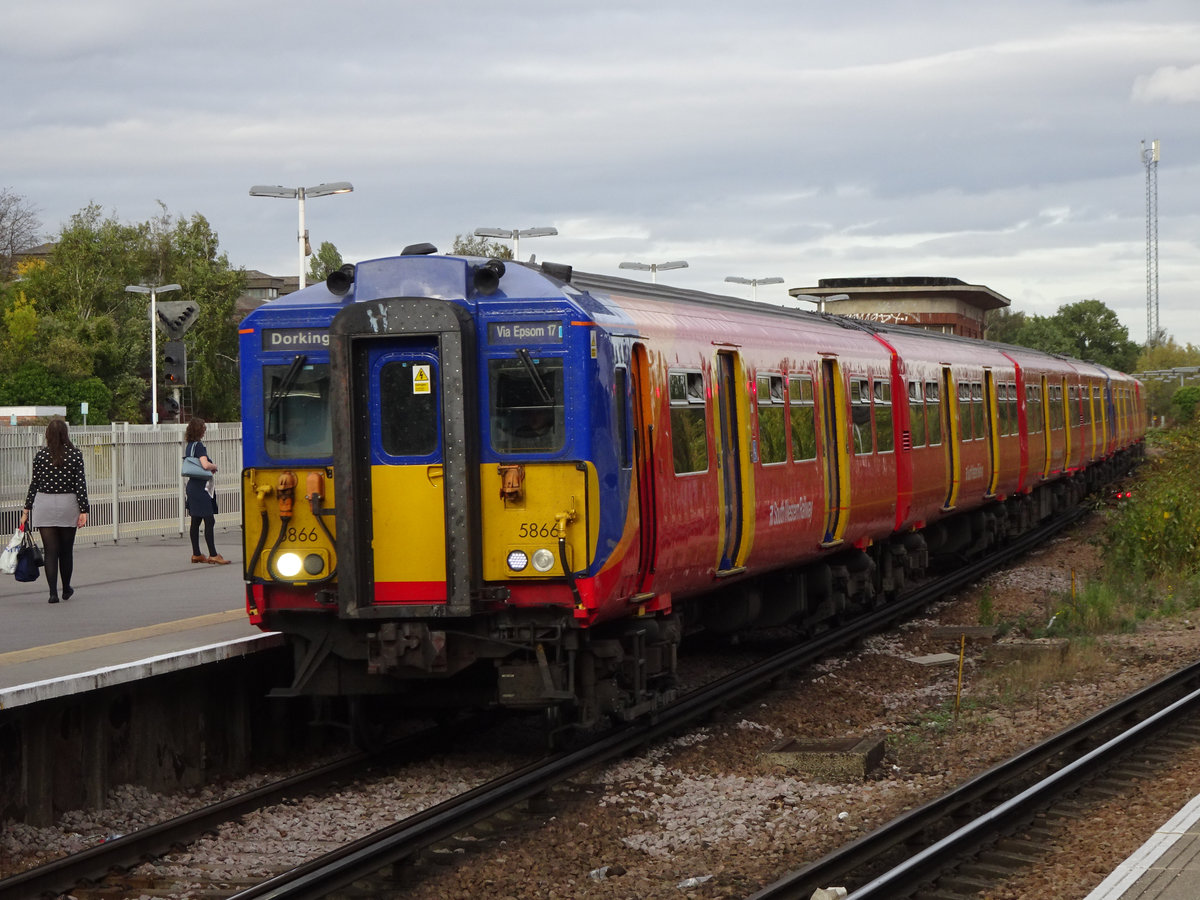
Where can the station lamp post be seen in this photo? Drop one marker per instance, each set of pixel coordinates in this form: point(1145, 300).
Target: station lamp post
point(754, 283)
point(820, 301)
point(153, 290)
point(515, 235)
point(654, 268)
point(300, 193)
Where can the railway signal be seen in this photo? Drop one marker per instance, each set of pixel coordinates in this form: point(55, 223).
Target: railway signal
point(175, 363)
point(177, 317)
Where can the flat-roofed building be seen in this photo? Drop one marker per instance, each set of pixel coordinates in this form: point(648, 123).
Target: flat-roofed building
point(945, 305)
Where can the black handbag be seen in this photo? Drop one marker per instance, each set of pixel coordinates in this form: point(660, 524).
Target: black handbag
point(29, 559)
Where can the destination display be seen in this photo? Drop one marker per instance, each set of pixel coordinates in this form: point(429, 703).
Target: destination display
point(295, 338)
point(524, 333)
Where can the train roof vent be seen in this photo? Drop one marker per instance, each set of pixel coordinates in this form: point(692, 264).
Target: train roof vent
point(423, 249)
point(561, 271)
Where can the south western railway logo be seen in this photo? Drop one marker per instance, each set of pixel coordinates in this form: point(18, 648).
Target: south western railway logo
point(782, 513)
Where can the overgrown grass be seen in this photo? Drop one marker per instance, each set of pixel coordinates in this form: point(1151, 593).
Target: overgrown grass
point(1154, 534)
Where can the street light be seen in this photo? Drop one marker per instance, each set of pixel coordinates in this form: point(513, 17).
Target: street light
point(320, 190)
point(515, 235)
point(654, 268)
point(754, 283)
point(153, 290)
point(820, 301)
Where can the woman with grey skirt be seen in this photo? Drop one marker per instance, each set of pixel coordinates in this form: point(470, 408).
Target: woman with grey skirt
point(59, 502)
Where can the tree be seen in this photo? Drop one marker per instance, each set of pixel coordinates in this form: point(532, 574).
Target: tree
point(1184, 402)
point(207, 280)
point(1086, 330)
point(324, 263)
point(91, 339)
point(19, 230)
point(469, 245)
point(1097, 335)
point(1003, 325)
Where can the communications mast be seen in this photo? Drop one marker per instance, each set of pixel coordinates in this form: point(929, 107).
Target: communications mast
point(1150, 161)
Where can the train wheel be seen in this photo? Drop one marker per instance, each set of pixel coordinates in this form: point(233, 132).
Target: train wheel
point(367, 729)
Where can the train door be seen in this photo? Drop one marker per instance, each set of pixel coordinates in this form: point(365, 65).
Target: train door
point(404, 429)
point(991, 413)
point(1044, 412)
point(950, 428)
point(643, 466)
point(406, 473)
point(836, 466)
point(729, 457)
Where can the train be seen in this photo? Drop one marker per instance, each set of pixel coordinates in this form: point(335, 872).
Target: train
point(474, 483)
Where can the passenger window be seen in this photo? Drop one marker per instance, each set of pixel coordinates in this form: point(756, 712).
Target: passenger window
point(933, 412)
point(916, 412)
point(977, 412)
point(860, 416)
point(526, 396)
point(689, 441)
point(964, 411)
point(885, 439)
point(772, 438)
point(804, 427)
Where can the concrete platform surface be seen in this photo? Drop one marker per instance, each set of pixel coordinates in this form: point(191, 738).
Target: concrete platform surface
point(139, 602)
point(1166, 867)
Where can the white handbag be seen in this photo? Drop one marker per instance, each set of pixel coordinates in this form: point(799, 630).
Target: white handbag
point(8, 558)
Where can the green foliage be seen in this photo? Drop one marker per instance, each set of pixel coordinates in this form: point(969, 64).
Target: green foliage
point(469, 245)
point(72, 332)
point(1155, 533)
point(324, 263)
point(1086, 330)
point(1184, 401)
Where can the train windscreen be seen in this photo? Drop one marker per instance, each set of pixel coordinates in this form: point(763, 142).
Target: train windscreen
point(296, 398)
point(526, 407)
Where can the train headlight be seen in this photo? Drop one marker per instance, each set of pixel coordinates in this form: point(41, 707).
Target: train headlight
point(518, 560)
point(289, 564)
point(543, 560)
point(313, 564)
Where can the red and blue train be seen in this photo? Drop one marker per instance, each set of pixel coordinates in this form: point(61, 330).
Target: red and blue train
point(470, 482)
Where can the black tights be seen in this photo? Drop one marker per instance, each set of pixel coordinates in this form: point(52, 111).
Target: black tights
point(210, 522)
point(59, 544)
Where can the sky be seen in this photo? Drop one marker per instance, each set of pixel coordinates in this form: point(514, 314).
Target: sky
point(998, 143)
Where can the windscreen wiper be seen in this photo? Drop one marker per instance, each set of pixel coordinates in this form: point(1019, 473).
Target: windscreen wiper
point(285, 385)
point(534, 375)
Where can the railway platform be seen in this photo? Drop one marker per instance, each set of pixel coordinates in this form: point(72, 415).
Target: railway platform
point(140, 608)
point(1165, 867)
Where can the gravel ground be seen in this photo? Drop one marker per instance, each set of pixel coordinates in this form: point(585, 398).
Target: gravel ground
point(704, 815)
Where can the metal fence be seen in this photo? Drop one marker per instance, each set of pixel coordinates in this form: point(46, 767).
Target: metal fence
point(134, 486)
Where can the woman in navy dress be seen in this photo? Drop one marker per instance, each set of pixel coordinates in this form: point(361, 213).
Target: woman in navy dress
point(58, 502)
point(201, 502)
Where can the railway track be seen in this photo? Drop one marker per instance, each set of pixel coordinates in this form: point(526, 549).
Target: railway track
point(998, 823)
point(362, 858)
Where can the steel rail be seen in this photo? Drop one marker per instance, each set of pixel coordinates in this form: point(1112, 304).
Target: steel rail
point(56, 876)
point(319, 877)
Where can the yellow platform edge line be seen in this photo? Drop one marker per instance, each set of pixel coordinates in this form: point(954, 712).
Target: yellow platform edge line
point(47, 651)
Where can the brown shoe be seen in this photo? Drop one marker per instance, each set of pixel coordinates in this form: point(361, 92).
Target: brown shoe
point(218, 560)
point(197, 559)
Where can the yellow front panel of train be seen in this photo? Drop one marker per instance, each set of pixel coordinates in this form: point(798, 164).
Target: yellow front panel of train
point(285, 536)
point(408, 527)
point(526, 508)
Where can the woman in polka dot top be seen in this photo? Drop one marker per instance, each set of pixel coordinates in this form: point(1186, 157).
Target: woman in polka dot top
point(58, 502)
